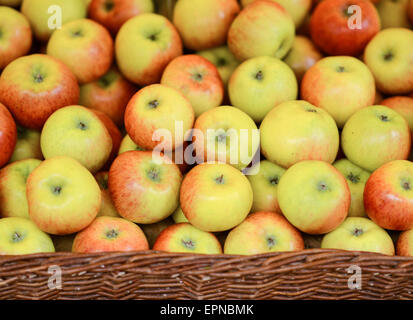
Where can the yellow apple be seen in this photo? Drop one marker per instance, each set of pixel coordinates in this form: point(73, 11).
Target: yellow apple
point(21, 236)
point(107, 208)
point(27, 146)
point(178, 216)
point(393, 14)
point(359, 234)
point(127, 144)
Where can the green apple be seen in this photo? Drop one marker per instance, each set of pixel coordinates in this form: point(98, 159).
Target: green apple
point(13, 177)
point(389, 56)
point(374, 136)
point(41, 13)
point(356, 178)
point(63, 196)
point(178, 216)
point(393, 13)
point(77, 132)
point(359, 234)
point(295, 131)
point(261, 83)
point(21, 236)
point(264, 187)
point(183, 237)
point(27, 146)
point(127, 144)
point(263, 232)
point(314, 196)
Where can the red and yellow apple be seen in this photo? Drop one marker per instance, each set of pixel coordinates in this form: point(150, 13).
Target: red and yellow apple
point(8, 135)
point(404, 244)
point(402, 105)
point(107, 207)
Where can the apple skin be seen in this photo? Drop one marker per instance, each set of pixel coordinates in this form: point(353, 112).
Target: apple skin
point(204, 24)
point(389, 56)
point(359, 234)
point(404, 244)
point(144, 187)
point(63, 196)
point(16, 36)
point(388, 196)
point(264, 187)
point(374, 136)
point(393, 14)
point(36, 11)
point(197, 79)
point(27, 145)
point(77, 132)
point(356, 178)
point(144, 46)
point(8, 135)
point(263, 232)
point(113, 14)
point(13, 200)
point(110, 234)
point(11, 3)
point(153, 230)
point(340, 85)
point(330, 31)
point(85, 47)
point(109, 94)
point(268, 78)
point(246, 36)
point(107, 207)
point(21, 236)
point(157, 107)
point(178, 216)
point(35, 86)
point(295, 131)
point(183, 237)
point(323, 200)
point(302, 56)
point(215, 197)
point(228, 124)
point(402, 105)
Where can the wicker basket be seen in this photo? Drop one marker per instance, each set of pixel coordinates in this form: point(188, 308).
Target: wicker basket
point(309, 274)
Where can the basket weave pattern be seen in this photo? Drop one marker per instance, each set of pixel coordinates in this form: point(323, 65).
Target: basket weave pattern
point(309, 274)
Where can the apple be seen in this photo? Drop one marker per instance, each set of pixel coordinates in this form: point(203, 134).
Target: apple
point(330, 30)
point(178, 215)
point(107, 207)
point(393, 13)
point(63, 196)
point(106, 234)
point(263, 232)
point(302, 56)
point(402, 105)
point(35, 86)
point(21, 236)
point(404, 244)
point(197, 79)
point(264, 186)
point(77, 132)
point(13, 177)
point(388, 195)
point(295, 131)
point(11, 3)
point(215, 197)
point(389, 56)
point(226, 134)
point(127, 144)
point(8, 135)
point(341, 85)
point(314, 196)
point(264, 28)
point(154, 108)
point(144, 46)
point(204, 24)
point(27, 145)
point(297, 9)
point(85, 47)
point(144, 186)
point(109, 94)
point(153, 230)
point(15, 36)
point(261, 83)
point(114, 13)
point(224, 61)
point(374, 136)
point(356, 178)
point(359, 234)
point(183, 237)
point(63, 243)
point(41, 12)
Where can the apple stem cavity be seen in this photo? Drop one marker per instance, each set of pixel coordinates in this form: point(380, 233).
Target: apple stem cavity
point(340, 69)
point(220, 179)
point(270, 242)
point(153, 174)
point(388, 56)
point(322, 186)
point(189, 244)
point(358, 232)
point(406, 186)
point(57, 190)
point(259, 75)
point(153, 104)
point(384, 118)
point(111, 234)
point(274, 181)
point(17, 237)
point(82, 126)
point(353, 178)
point(38, 78)
point(108, 5)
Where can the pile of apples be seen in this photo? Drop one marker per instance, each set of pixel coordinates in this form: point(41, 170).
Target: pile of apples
point(87, 85)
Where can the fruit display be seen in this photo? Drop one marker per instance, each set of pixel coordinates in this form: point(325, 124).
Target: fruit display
point(221, 127)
